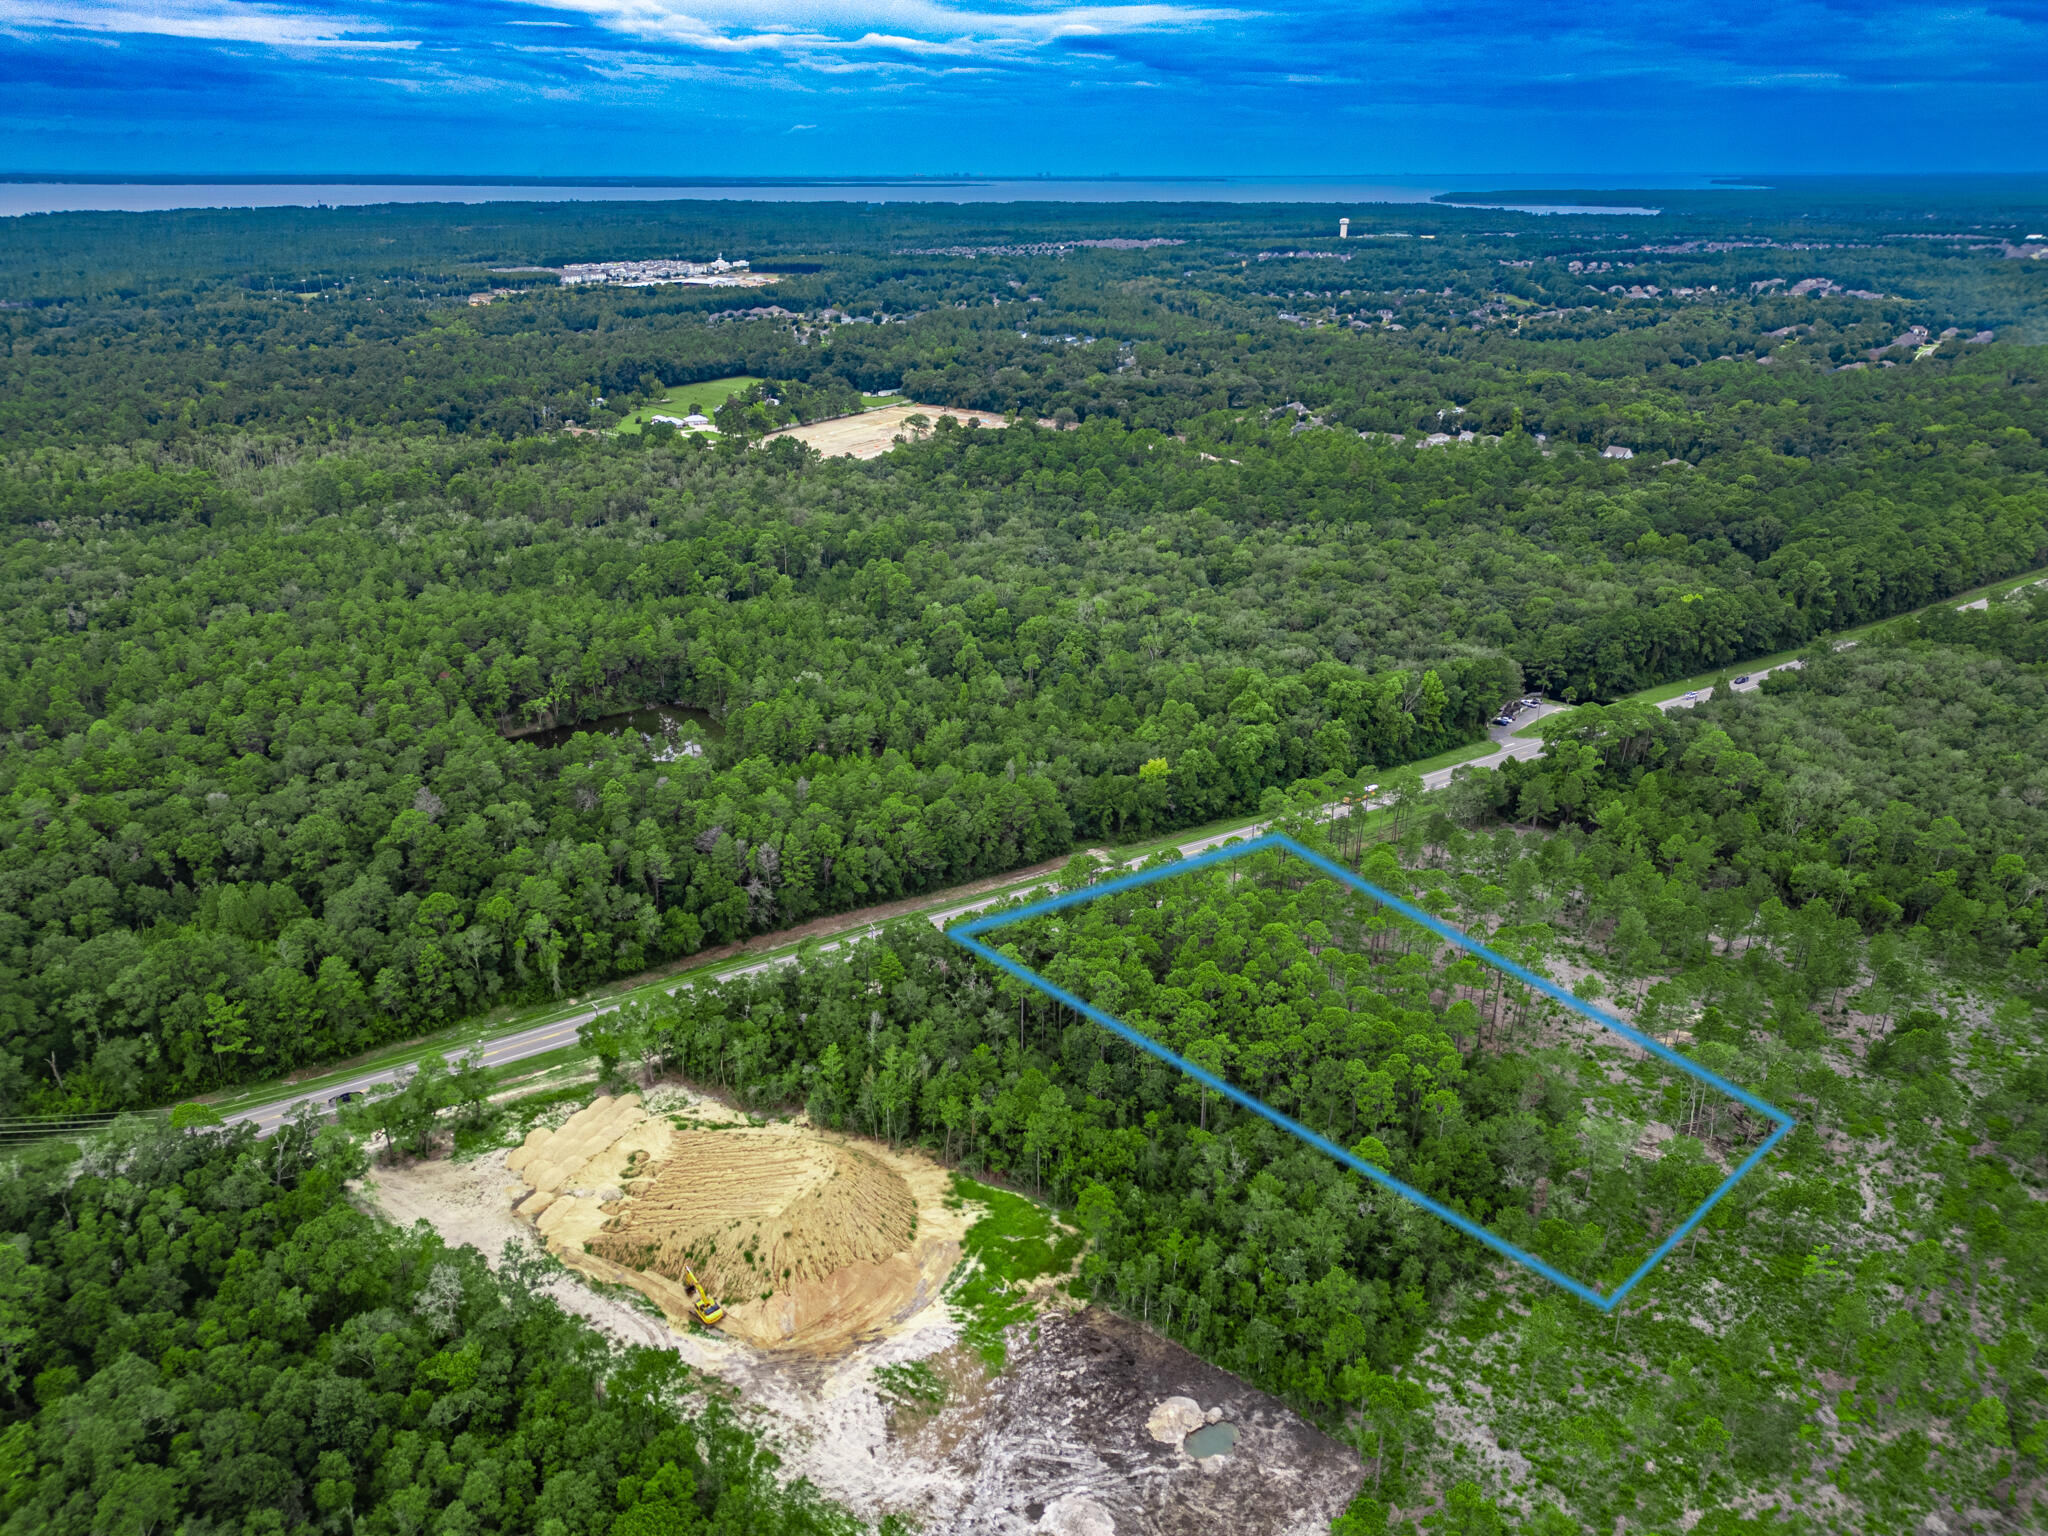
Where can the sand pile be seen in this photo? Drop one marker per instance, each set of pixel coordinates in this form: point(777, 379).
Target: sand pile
point(752, 1210)
point(809, 1240)
point(589, 1149)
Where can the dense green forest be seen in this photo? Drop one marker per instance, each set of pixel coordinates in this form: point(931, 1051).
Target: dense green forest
point(292, 564)
point(1726, 871)
point(148, 1275)
point(313, 609)
point(198, 1332)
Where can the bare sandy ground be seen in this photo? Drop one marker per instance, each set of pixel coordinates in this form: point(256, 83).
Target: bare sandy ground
point(873, 433)
point(1064, 1441)
point(470, 1205)
point(813, 1240)
point(825, 1417)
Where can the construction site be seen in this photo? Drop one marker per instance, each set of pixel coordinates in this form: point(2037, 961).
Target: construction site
point(797, 1240)
point(819, 1276)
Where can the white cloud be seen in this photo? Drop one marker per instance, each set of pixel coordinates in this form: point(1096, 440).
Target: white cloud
point(219, 21)
point(911, 26)
point(1793, 77)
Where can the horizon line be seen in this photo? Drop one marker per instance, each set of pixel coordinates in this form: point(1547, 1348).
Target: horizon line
point(1722, 180)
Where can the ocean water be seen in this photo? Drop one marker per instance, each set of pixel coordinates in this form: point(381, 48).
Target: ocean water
point(156, 194)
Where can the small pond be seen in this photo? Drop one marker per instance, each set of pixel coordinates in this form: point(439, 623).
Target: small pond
point(668, 731)
point(1210, 1440)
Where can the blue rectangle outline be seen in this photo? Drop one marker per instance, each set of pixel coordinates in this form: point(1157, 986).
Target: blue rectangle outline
point(967, 936)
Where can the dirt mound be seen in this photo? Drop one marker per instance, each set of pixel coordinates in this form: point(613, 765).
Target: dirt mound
point(810, 1240)
point(590, 1149)
point(752, 1211)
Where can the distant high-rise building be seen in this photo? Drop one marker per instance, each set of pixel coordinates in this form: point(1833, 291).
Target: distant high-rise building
point(1343, 229)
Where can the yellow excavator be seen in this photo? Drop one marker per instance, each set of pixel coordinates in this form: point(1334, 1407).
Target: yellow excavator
point(709, 1312)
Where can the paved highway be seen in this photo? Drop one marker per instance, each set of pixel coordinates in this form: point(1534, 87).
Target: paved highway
point(533, 1041)
point(539, 1039)
point(1751, 681)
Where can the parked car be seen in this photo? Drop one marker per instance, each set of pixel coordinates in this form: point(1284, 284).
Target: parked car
point(340, 1099)
point(1742, 679)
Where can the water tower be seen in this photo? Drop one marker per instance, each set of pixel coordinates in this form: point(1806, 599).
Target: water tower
point(1343, 229)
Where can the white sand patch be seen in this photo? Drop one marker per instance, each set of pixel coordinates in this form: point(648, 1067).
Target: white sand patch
point(825, 1418)
point(873, 433)
point(1173, 1420)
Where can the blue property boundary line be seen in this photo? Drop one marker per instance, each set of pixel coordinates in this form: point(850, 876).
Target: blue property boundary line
point(967, 935)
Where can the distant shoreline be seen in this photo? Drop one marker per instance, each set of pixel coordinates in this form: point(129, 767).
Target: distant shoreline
point(40, 192)
point(110, 194)
point(1589, 194)
point(283, 179)
point(1486, 184)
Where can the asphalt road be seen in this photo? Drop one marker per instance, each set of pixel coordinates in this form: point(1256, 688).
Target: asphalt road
point(1755, 680)
point(534, 1041)
point(539, 1039)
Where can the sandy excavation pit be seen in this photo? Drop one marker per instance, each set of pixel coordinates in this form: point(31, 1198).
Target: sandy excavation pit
point(812, 1242)
point(1084, 1434)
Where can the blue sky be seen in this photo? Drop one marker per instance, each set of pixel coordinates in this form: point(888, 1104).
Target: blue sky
point(743, 87)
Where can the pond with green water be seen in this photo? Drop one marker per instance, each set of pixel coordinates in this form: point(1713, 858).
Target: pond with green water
point(1210, 1440)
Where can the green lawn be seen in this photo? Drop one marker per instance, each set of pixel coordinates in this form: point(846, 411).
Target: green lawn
point(710, 394)
point(1452, 758)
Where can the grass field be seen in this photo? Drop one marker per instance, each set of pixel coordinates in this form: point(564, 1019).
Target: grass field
point(710, 394)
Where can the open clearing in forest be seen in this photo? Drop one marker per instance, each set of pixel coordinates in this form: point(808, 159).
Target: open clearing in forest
point(812, 1241)
point(707, 395)
point(1063, 1439)
point(873, 433)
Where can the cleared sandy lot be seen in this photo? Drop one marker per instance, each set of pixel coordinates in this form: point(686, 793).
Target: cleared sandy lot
point(1060, 1442)
point(873, 433)
point(811, 1240)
